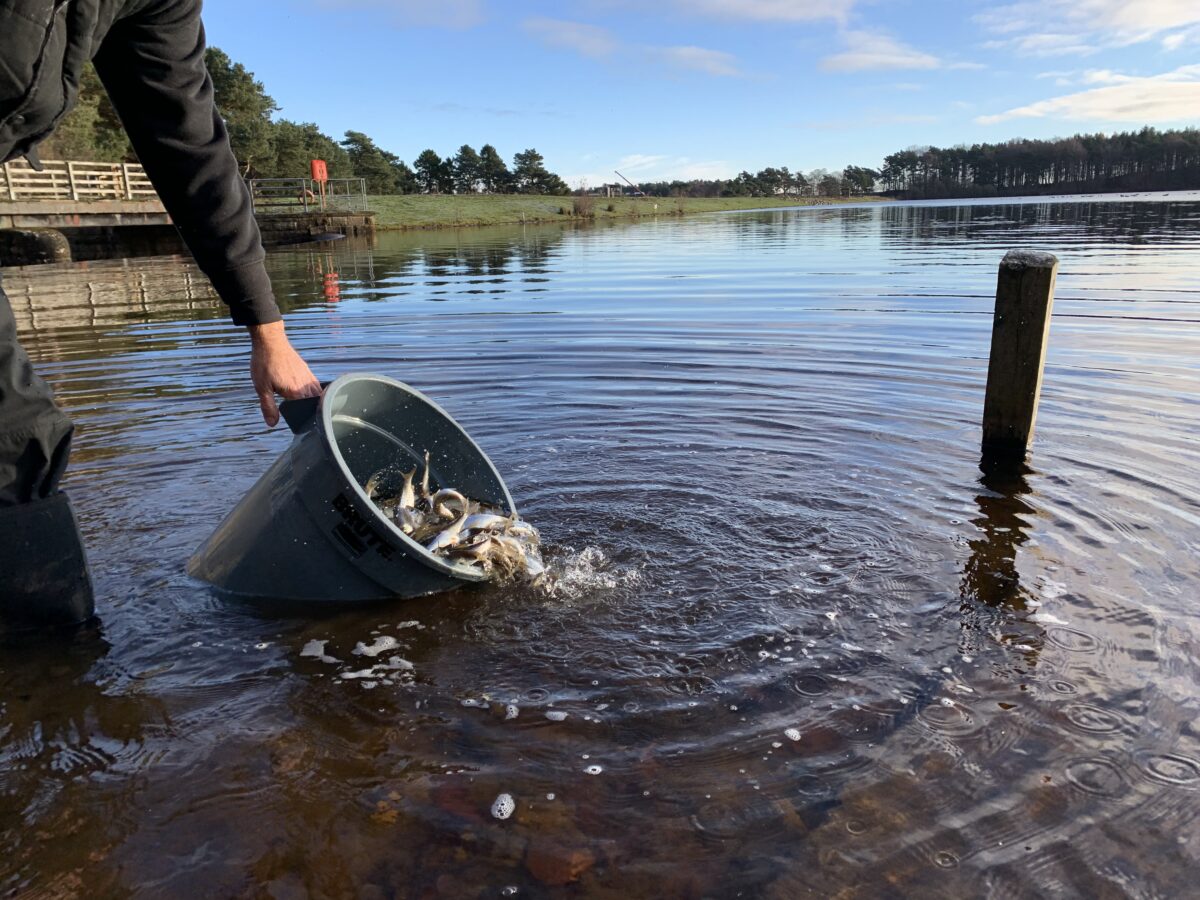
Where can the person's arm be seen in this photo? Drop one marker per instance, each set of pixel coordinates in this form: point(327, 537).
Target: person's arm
point(152, 65)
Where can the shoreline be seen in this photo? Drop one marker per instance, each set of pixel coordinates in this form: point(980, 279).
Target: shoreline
point(425, 212)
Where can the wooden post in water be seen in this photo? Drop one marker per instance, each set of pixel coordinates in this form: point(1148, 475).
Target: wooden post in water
point(1024, 298)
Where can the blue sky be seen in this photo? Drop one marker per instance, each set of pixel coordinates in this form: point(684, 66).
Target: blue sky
point(706, 88)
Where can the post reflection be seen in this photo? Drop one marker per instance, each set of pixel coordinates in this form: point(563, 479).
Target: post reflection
point(991, 591)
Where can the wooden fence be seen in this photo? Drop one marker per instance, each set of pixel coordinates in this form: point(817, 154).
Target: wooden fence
point(71, 180)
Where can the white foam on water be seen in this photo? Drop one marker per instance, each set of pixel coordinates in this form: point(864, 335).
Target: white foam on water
point(511, 711)
point(1045, 618)
point(503, 806)
point(792, 734)
point(593, 770)
point(314, 648)
point(585, 571)
point(382, 644)
point(556, 715)
point(396, 667)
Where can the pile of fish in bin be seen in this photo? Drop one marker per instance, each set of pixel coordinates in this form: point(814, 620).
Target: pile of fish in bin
point(461, 530)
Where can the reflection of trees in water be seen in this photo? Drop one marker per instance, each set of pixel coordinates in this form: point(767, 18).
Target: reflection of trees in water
point(903, 224)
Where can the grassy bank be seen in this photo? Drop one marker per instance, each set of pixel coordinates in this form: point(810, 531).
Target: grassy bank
point(453, 210)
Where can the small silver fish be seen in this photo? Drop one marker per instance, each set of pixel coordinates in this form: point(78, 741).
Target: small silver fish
point(449, 537)
point(439, 500)
point(521, 528)
point(486, 521)
point(408, 497)
point(409, 519)
point(425, 479)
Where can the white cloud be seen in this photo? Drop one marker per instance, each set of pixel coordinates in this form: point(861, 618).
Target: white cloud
point(699, 59)
point(654, 167)
point(1177, 39)
point(771, 10)
point(1102, 76)
point(1105, 76)
point(599, 43)
point(1065, 27)
point(639, 162)
point(443, 14)
point(1170, 97)
point(588, 40)
point(874, 50)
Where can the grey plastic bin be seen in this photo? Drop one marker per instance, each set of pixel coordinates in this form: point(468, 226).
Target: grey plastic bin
point(306, 530)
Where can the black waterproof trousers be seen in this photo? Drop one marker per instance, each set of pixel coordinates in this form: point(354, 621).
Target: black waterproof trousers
point(44, 580)
point(35, 435)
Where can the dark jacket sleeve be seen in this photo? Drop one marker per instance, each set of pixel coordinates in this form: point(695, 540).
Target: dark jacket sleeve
point(152, 65)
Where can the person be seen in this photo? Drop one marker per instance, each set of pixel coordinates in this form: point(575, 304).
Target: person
point(149, 55)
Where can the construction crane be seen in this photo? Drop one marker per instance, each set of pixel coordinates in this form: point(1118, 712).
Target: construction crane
point(636, 192)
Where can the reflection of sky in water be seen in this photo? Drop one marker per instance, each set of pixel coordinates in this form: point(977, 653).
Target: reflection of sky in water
point(751, 442)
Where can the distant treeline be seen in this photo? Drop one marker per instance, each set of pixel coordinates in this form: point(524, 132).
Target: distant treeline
point(267, 148)
point(771, 182)
point(1145, 160)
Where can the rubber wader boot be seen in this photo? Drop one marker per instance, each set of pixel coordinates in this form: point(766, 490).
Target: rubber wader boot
point(44, 581)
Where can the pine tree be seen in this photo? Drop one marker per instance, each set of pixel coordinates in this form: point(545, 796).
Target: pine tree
point(245, 106)
point(428, 168)
point(371, 163)
point(467, 170)
point(493, 172)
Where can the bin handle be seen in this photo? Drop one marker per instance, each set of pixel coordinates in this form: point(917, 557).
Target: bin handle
point(301, 414)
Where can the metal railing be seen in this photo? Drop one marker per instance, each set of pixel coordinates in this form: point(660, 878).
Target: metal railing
point(283, 195)
point(71, 180)
point(83, 181)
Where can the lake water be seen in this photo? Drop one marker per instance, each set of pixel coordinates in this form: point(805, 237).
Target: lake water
point(802, 644)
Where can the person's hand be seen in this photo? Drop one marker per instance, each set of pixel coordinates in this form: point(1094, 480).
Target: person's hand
point(276, 368)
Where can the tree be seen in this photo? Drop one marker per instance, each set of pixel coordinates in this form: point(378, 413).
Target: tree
point(90, 131)
point(467, 170)
point(530, 175)
point(446, 183)
point(492, 171)
point(857, 180)
point(377, 166)
point(245, 106)
point(295, 145)
point(429, 170)
point(406, 179)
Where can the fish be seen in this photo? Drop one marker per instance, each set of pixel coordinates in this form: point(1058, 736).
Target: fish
point(425, 479)
point(486, 521)
point(408, 519)
point(408, 497)
point(451, 525)
point(439, 500)
point(448, 537)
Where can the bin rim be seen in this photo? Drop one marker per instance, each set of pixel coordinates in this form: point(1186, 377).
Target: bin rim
point(410, 546)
